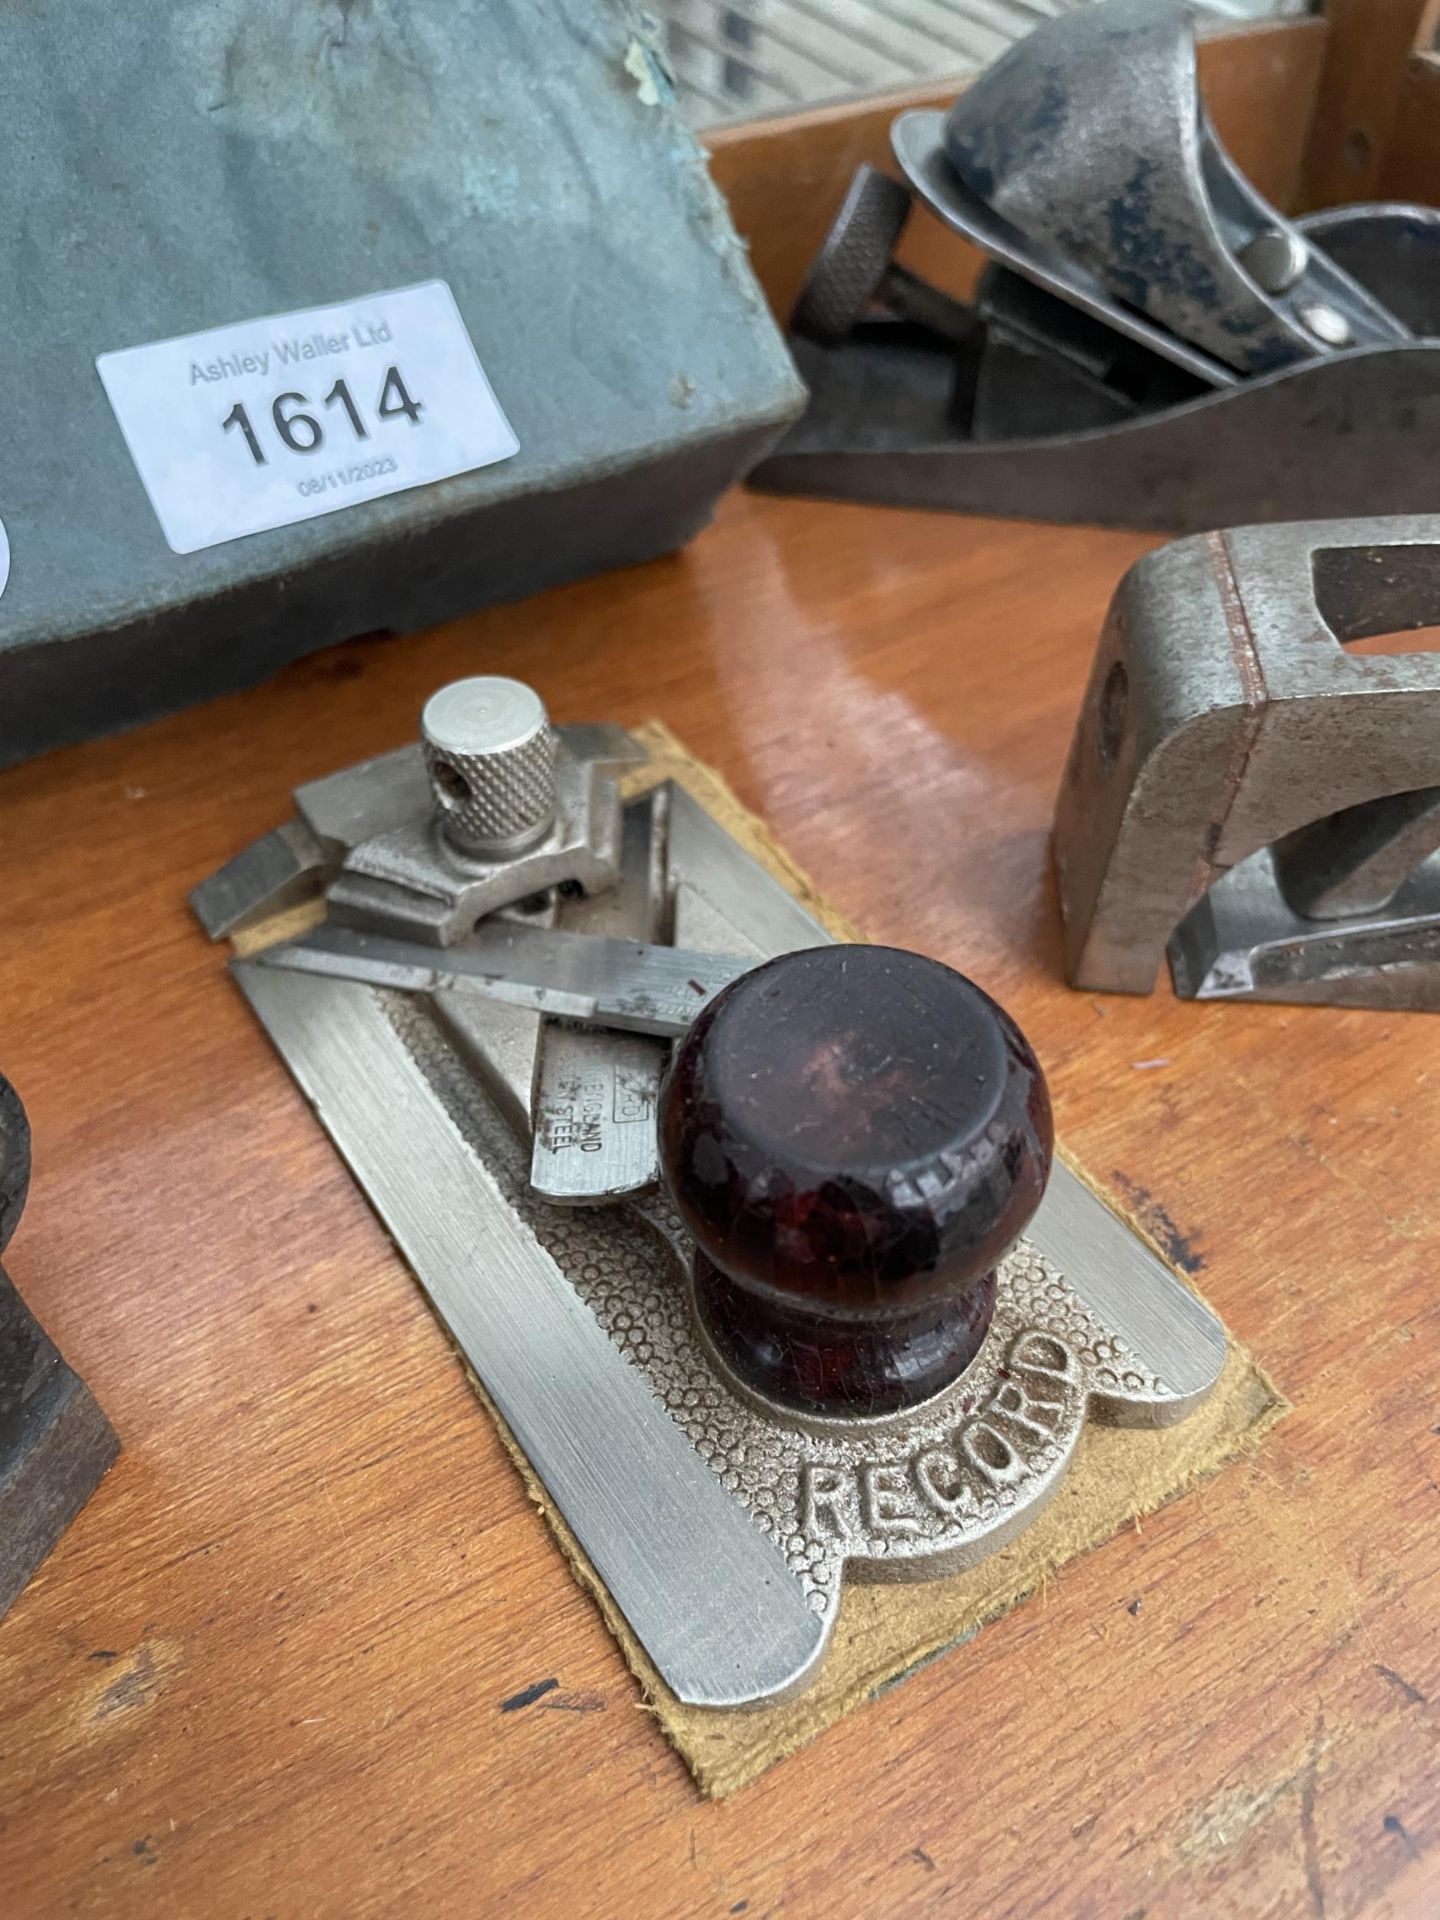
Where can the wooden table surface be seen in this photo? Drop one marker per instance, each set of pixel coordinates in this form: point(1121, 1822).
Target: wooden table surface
point(267, 1672)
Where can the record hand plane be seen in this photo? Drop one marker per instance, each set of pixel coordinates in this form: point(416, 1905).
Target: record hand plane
point(757, 1241)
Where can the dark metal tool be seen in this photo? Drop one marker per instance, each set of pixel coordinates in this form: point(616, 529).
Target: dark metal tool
point(55, 1443)
point(849, 1329)
point(1151, 344)
point(1244, 788)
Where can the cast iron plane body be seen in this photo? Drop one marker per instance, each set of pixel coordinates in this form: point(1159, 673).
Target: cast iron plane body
point(1151, 344)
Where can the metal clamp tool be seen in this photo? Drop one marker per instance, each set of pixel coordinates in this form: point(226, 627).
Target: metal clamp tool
point(833, 1319)
point(1151, 344)
point(1243, 788)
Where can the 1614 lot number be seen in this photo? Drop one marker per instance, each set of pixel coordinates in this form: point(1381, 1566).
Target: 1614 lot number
point(302, 432)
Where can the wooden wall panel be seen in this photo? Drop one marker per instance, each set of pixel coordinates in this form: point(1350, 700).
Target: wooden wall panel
point(1412, 157)
point(1370, 42)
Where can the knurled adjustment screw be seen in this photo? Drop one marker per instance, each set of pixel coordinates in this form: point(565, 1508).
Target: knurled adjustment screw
point(490, 750)
point(855, 264)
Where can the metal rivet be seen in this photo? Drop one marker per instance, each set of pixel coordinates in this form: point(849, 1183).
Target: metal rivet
point(1276, 259)
point(1332, 329)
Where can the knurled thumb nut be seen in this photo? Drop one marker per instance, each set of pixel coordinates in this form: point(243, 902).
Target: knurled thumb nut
point(490, 750)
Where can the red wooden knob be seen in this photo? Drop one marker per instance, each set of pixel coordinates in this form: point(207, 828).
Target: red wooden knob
point(855, 1136)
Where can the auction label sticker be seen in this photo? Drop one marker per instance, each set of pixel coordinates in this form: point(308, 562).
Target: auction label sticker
point(256, 425)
